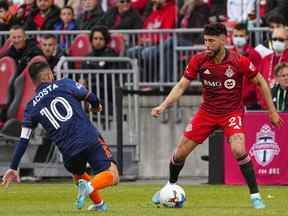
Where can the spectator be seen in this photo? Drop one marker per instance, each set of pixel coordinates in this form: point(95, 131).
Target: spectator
point(240, 38)
point(238, 10)
point(162, 16)
point(66, 22)
point(275, 21)
point(91, 15)
point(280, 90)
point(277, 7)
point(99, 39)
point(22, 12)
point(217, 10)
point(279, 55)
point(139, 5)
point(193, 14)
point(43, 16)
point(52, 53)
point(75, 4)
point(122, 16)
point(22, 51)
point(4, 16)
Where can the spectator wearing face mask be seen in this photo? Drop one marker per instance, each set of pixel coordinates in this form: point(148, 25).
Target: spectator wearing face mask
point(279, 55)
point(240, 38)
point(273, 22)
point(280, 90)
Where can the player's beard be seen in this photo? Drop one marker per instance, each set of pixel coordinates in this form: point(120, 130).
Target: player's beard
point(215, 53)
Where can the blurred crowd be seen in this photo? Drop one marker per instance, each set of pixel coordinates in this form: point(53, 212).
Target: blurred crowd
point(270, 57)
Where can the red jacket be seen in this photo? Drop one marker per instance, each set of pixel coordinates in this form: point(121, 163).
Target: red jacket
point(160, 18)
point(249, 89)
point(266, 68)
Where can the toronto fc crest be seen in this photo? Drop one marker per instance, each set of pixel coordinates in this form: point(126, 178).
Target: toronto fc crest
point(229, 72)
point(265, 148)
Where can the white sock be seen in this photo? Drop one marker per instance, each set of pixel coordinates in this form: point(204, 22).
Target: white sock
point(99, 204)
point(169, 183)
point(255, 195)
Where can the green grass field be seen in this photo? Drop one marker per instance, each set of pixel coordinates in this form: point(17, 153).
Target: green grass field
point(134, 199)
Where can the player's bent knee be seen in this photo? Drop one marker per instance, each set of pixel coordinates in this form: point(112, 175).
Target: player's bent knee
point(114, 169)
point(238, 154)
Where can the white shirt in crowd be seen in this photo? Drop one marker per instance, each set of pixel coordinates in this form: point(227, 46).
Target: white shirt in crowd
point(238, 10)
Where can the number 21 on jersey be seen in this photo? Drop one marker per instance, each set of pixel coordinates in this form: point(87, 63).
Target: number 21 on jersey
point(53, 114)
point(235, 122)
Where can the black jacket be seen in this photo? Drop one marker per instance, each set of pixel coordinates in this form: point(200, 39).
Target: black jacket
point(198, 18)
point(128, 20)
point(51, 19)
point(53, 60)
point(23, 56)
point(280, 98)
point(107, 52)
point(88, 19)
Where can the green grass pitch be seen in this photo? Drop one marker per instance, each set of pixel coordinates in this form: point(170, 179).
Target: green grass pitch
point(134, 199)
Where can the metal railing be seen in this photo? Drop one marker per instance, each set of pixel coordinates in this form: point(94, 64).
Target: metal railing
point(119, 72)
point(162, 59)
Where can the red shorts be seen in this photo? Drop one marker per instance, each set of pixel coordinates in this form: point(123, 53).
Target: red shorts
point(204, 123)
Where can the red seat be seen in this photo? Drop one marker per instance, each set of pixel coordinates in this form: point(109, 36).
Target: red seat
point(4, 49)
point(117, 43)
point(80, 47)
point(24, 91)
point(7, 71)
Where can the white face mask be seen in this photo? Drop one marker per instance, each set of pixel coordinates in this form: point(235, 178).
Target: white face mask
point(278, 46)
point(239, 41)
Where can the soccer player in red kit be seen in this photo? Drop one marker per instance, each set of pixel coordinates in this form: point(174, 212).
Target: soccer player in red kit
point(221, 72)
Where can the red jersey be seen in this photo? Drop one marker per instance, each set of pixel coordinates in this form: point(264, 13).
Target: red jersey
point(222, 83)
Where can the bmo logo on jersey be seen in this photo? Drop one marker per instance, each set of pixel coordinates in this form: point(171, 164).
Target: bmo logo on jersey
point(212, 83)
point(230, 83)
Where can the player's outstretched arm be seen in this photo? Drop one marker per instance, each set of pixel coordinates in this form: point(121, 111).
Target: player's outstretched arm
point(266, 93)
point(12, 174)
point(173, 96)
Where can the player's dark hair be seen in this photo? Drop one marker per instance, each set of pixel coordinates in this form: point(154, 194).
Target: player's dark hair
point(104, 31)
point(280, 67)
point(215, 29)
point(241, 27)
point(36, 68)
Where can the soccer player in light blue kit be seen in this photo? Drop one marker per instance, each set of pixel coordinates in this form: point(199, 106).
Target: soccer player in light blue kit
point(57, 107)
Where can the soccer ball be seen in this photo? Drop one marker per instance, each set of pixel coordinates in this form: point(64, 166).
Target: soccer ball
point(172, 196)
